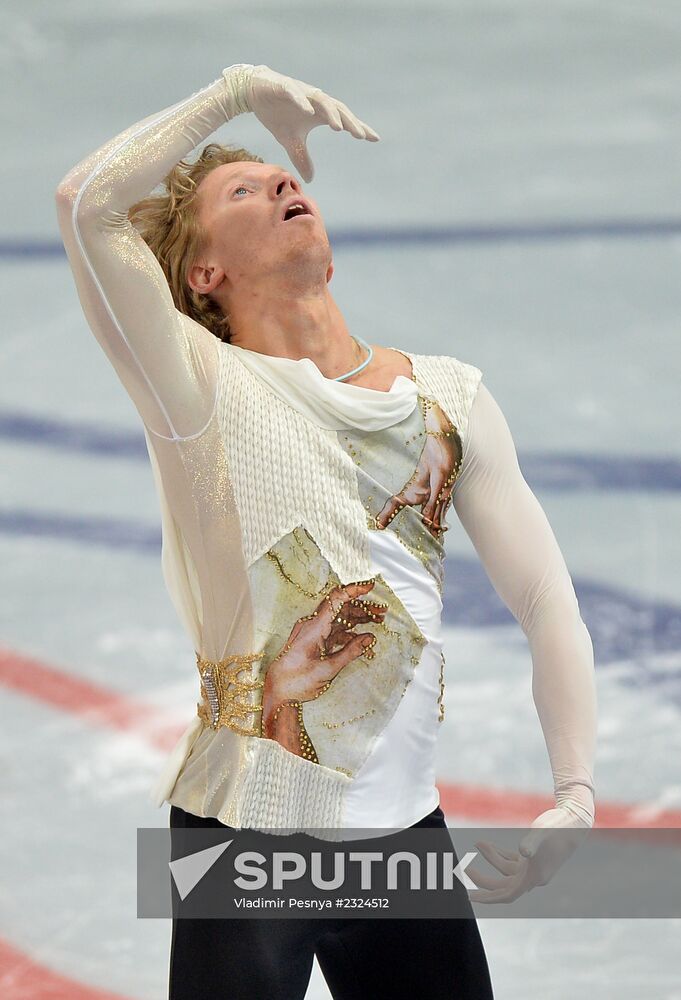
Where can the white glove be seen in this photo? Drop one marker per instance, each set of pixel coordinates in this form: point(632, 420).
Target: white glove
point(539, 856)
point(290, 109)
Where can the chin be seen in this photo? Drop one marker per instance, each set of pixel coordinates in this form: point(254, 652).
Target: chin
point(308, 252)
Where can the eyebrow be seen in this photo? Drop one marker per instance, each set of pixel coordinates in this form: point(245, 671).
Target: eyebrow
point(245, 177)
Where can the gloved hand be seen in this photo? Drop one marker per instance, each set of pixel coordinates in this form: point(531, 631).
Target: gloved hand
point(290, 109)
point(553, 837)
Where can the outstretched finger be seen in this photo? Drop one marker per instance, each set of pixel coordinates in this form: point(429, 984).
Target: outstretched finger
point(351, 124)
point(483, 881)
point(391, 509)
point(486, 847)
point(368, 132)
point(356, 646)
point(505, 865)
point(324, 103)
point(371, 135)
point(355, 589)
point(508, 854)
point(339, 597)
point(440, 514)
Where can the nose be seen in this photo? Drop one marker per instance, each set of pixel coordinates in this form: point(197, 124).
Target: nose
point(285, 184)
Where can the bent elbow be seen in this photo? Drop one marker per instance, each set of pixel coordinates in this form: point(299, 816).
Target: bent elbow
point(71, 192)
point(65, 198)
point(77, 210)
point(66, 192)
point(556, 600)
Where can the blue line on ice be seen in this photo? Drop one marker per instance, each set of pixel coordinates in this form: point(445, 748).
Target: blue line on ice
point(520, 232)
point(563, 472)
point(625, 627)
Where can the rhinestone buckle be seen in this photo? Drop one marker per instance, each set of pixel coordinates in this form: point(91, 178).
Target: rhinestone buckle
point(226, 698)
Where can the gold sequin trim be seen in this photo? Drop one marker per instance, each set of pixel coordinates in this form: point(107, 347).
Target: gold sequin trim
point(225, 696)
point(306, 747)
point(278, 563)
point(440, 699)
point(346, 722)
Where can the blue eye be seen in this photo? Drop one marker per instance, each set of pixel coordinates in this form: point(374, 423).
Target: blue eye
point(240, 188)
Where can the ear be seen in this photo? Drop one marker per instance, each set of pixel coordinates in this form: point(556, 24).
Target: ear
point(204, 278)
point(329, 272)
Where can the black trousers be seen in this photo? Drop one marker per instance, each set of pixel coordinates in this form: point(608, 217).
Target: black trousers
point(361, 959)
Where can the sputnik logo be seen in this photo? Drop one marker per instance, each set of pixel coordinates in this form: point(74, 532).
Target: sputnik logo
point(187, 872)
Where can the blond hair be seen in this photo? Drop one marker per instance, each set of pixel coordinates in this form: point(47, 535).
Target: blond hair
point(169, 225)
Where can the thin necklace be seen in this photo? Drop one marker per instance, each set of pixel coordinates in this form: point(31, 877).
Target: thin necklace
point(339, 378)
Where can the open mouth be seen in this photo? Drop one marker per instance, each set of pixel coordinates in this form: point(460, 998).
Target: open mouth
point(295, 211)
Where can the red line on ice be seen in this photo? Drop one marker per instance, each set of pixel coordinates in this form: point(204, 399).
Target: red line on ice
point(22, 977)
point(99, 706)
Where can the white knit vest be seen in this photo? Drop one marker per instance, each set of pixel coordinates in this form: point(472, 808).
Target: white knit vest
point(285, 470)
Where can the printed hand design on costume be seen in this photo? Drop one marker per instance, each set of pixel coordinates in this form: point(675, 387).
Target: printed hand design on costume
point(431, 484)
point(309, 661)
point(554, 836)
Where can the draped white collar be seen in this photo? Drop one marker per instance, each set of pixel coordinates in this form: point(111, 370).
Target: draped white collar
point(327, 403)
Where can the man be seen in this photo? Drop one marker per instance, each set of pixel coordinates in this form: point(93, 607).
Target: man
point(304, 479)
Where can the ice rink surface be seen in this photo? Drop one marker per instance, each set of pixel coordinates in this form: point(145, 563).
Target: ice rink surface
point(522, 213)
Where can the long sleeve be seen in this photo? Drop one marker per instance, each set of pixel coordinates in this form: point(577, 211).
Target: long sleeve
point(521, 557)
point(166, 361)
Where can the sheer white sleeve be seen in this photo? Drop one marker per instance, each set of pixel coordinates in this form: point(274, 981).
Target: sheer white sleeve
point(166, 361)
point(521, 557)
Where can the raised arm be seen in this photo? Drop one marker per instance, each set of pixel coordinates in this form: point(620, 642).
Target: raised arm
point(520, 554)
point(167, 361)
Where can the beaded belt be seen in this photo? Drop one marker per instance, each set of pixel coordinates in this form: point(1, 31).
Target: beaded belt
point(226, 700)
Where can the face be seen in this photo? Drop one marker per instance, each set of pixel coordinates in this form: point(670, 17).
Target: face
point(241, 207)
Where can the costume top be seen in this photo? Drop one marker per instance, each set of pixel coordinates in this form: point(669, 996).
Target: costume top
point(300, 546)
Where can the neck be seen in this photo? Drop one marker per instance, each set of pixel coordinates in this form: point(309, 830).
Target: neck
point(296, 326)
